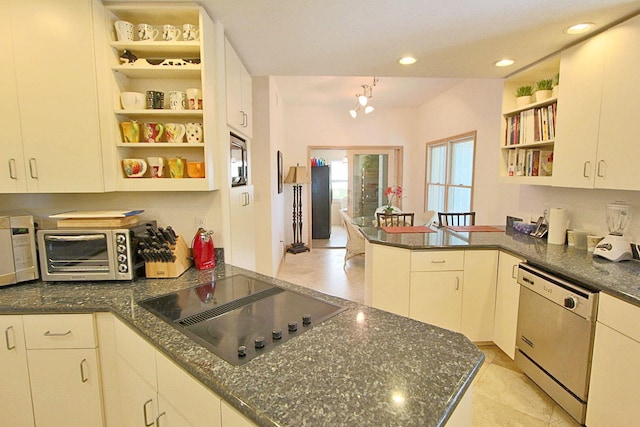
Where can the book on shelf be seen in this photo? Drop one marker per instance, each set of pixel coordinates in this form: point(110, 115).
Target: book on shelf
point(546, 163)
point(532, 125)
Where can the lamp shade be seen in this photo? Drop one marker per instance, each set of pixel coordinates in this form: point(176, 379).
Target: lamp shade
point(297, 175)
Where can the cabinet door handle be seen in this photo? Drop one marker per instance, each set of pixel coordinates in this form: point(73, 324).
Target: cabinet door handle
point(57, 334)
point(158, 418)
point(586, 172)
point(144, 412)
point(12, 169)
point(33, 168)
point(457, 283)
point(7, 340)
point(242, 118)
point(438, 262)
point(514, 269)
point(83, 374)
point(602, 171)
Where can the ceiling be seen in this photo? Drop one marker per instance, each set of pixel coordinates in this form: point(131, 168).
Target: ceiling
point(353, 40)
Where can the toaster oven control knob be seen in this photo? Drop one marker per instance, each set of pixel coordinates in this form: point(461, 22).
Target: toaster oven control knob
point(121, 249)
point(120, 238)
point(259, 342)
point(306, 319)
point(293, 326)
point(122, 268)
point(242, 351)
point(570, 302)
point(122, 258)
point(276, 334)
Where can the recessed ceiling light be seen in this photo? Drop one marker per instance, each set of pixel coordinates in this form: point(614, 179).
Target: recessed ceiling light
point(504, 62)
point(407, 60)
point(579, 28)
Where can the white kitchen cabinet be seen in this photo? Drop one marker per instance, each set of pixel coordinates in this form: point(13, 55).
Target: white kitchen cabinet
point(239, 93)
point(141, 76)
point(63, 370)
point(479, 294)
point(387, 278)
point(436, 298)
point(49, 47)
point(15, 393)
point(613, 395)
point(507, 302)
point(243, 226)
point(231, 417)
point(138, 399)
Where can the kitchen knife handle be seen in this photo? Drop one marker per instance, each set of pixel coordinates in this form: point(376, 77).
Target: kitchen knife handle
point(144, 411)
point(33, 168)
point(6, 337)
point(12, 169)
point(83, 375)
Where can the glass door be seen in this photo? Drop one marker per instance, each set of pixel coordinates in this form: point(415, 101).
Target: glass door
point(370, 172)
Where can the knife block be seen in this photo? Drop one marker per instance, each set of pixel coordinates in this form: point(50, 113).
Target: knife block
point(182, 263)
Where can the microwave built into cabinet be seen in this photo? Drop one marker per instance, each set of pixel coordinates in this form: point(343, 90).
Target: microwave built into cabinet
point(238, 161)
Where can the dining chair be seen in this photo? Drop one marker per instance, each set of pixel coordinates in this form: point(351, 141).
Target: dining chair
point(456, 218)
point(395, 219)
point(355, 239)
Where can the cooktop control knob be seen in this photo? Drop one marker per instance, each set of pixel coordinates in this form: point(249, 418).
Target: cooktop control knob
point(259, 342)
point(293, 326)
point(570, 302)
point(276, 334)
point(306, 319)
point(242, 351)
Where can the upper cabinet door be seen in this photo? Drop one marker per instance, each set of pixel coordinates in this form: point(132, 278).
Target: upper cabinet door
point(239, 93)
point(581, 70)
point(57, 93)
point(619, 137)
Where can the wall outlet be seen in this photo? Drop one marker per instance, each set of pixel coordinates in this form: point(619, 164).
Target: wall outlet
point(201, 222)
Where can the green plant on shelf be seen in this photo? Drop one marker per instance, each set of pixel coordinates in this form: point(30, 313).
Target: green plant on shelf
point(524, 91)
point(544, 84)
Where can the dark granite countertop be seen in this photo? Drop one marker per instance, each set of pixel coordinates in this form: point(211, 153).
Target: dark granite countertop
point(621, 279)
point(361, 367)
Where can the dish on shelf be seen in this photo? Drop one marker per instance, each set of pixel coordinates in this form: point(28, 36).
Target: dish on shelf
point(162, 62)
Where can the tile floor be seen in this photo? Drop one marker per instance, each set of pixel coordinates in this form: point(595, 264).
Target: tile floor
point(504, 396)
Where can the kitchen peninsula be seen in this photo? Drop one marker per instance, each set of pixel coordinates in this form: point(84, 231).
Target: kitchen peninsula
point(362, 367)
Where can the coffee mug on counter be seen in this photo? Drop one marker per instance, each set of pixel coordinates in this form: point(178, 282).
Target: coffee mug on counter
point(132, 100)
point(176, 167)
point(130, 131)
point(175, 132)
point(134, 168)
point(195, 169)
point(194, 132)
point(146, 32)
point(190, 32)
point(124, 31)
point(152, 132)
point(170, 33)
point(156, 166)
point(177, 100)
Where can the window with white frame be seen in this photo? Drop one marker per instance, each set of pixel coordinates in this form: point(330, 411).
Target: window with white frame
point(339, 179)
point(449, 183)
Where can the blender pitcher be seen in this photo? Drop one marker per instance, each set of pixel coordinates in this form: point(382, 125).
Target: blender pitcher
point(616, 247)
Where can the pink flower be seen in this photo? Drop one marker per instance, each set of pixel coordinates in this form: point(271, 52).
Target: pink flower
point(391, 193)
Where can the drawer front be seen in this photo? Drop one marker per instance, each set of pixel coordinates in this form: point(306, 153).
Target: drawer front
point(437, 260)
point(619, 315)
point(59, 331)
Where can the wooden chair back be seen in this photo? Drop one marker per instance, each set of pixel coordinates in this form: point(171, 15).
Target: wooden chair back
point(395, 219)
point(456, 218)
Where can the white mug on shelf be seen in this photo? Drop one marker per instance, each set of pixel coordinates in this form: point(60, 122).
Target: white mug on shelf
point(190, 32)
point(124, 31)
point(177, 100)
point(132, 100)
point(146, 32)
point(156, 166)
point(194, 132)
point(194, 98)
point(175, 132)
point(170, 33)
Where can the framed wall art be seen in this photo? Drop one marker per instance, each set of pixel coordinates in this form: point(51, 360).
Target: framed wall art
point(280, 172)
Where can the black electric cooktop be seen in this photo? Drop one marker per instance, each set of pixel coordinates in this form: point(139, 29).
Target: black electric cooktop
point(239, 317)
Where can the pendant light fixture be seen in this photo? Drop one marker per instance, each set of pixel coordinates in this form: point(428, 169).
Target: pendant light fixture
point(362, 99)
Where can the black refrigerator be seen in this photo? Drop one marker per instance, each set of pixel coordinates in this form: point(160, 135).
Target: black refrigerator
point(320, 202)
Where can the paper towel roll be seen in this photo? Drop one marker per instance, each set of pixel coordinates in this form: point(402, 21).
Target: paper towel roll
point(557, 226)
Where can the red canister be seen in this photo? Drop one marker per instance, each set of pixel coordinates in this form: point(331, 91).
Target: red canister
point(203, 250)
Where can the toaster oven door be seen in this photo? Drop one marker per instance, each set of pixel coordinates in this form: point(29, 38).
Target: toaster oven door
point(77, 256)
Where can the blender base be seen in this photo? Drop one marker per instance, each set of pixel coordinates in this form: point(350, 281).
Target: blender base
point(614, 248)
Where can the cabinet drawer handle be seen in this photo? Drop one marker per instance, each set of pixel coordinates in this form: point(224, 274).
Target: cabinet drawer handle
point(158, 418)
point(12, 169)
point(33, 168)
point(144, 411)
point(602, 171)
point(57, 334)
point(438, 262)
point(6, 337)
point(83, 375)
point(586, 172)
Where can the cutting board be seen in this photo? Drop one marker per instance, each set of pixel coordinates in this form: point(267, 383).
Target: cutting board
point(95, 214)
point(98, 219)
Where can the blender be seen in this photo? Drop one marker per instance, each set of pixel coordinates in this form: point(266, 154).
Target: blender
point(615, 247)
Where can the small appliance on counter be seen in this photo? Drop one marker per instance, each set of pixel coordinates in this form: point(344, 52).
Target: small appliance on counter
point(18, 262)
point(616, 247)
point(204, 256)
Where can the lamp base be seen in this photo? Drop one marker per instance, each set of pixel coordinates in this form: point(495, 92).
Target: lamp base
point(297, 248)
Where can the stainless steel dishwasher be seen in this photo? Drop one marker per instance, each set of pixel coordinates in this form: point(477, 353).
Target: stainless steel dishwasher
point(556, 324)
